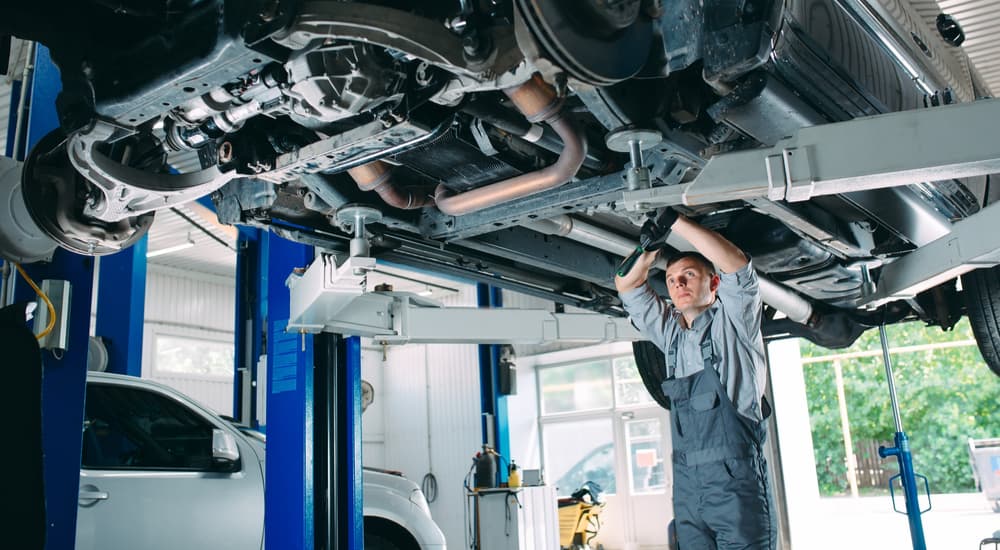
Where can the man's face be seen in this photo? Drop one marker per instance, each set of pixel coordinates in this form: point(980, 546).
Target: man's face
point(691, 286)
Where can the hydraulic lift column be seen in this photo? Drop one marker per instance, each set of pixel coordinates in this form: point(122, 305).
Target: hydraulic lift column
point(64, 372)
point(313, 410)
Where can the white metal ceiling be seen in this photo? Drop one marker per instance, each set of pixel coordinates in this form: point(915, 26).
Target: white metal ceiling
point(208, 255)
point(978, 18)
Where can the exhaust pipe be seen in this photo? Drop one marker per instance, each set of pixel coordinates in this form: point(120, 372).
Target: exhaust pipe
point(377, 176)
point(538, 102)
point(795, 307)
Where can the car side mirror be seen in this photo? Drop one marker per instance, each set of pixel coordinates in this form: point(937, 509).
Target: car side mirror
point(225, 452)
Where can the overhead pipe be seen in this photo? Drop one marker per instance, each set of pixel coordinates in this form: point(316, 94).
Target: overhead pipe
point(539, 103)
point(795, 307)
point(377, 176)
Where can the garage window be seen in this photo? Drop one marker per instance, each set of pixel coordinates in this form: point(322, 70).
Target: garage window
point(576, 387)
point(629, 389)
point(192, 356)
point(127, 428)
point(583, 406)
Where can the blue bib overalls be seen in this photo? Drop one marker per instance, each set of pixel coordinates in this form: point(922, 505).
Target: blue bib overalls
point(721, 494)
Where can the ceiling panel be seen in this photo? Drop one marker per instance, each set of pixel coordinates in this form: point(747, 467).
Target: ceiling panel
point(207, 255)
point(978, 18)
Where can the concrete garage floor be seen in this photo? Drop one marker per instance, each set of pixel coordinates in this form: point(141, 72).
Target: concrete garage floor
point(956, 522)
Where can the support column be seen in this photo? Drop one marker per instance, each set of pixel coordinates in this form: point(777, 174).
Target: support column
point(64, 374)
point(121, 303)
point(494, 404)
point(337, 383)
point(289, 494)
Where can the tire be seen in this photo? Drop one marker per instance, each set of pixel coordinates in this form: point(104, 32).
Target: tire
point(652, 366)
point(381, 534)
point(982, 302)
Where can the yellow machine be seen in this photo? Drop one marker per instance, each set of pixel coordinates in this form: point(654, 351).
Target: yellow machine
point(579, 517)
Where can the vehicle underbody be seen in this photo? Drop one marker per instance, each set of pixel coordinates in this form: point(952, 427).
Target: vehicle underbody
point(492, 140)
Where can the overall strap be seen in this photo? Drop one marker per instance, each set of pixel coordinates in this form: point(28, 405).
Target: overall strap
point(708, 357)
point(707, 353)
point(672, 355)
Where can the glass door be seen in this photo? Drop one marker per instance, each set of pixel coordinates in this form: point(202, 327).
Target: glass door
point(646, 480)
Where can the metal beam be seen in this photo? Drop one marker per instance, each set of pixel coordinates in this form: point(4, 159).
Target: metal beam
point(865, 153)
point(972, 243)
point(505, 326)
point(320, 303)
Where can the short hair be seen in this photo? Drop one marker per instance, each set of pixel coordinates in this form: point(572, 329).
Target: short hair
point(697, 256)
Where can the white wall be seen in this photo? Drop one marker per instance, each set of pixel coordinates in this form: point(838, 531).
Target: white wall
point(191, 305)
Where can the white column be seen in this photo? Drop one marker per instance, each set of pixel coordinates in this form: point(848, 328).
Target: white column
point(795, 436)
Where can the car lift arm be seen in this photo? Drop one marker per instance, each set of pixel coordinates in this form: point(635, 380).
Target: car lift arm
point(972, 243)
point(866, 153)
point(953, 141)
point(331, 298)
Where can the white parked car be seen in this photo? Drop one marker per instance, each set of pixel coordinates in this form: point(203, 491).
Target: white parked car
point(160, 471)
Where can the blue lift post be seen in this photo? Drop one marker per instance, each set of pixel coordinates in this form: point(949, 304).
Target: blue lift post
point(313, 497)
point(121, 301)
point(493, 403)
point(289, 493)
point(65, 377)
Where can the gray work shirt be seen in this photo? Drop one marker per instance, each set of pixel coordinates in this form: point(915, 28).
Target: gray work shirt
point(734, 319)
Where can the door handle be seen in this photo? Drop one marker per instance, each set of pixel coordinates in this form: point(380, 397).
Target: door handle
point(90, 492)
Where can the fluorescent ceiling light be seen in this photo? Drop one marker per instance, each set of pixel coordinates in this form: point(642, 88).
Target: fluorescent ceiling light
point(177, 247)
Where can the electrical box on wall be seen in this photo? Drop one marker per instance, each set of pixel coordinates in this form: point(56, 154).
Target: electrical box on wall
point(60, 294)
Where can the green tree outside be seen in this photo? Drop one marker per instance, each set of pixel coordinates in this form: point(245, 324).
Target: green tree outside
point(946, 396)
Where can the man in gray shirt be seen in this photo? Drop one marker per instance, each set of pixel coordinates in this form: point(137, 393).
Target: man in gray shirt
point(716, 372)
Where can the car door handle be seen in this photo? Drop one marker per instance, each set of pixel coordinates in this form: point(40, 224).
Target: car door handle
point(92, 493)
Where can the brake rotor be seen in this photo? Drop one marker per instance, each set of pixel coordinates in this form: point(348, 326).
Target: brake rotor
point(599, 42)
point(55, 193)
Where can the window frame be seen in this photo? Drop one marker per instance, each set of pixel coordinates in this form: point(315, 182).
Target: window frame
point(612, 413)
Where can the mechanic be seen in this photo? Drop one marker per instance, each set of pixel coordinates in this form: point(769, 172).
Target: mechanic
point(714, 381)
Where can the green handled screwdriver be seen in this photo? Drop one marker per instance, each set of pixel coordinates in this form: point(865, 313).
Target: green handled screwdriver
point(629, 262)
point(652, 236)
